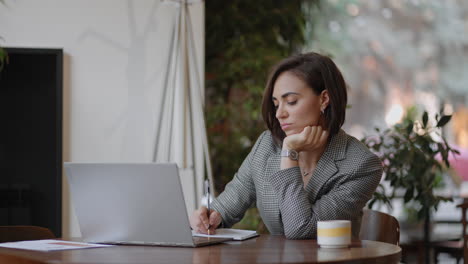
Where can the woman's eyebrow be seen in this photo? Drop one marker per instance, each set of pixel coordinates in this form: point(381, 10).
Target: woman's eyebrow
point(285, 95)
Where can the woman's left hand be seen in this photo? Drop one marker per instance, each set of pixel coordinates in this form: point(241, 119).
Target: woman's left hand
point(311, 138)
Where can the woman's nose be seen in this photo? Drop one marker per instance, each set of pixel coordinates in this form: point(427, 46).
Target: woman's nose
point(280, 112)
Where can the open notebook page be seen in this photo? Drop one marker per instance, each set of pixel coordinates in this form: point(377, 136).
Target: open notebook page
point(50, 245)
point(235, 234)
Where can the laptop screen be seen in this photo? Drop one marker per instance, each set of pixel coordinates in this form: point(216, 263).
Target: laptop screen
point(134, 202)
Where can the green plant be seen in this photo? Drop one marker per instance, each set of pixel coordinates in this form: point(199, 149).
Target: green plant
point(3, 58)
point(414, 155)
point(3, 53)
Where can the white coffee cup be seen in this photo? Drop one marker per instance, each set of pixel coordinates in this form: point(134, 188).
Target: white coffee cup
point(334, 233)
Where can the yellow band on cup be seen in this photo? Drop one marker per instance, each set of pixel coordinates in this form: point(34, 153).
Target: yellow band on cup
point(334, 232)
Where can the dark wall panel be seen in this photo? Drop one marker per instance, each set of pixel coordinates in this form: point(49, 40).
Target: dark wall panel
point(31, 138)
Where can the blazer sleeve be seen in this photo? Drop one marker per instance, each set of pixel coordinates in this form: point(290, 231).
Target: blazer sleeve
point(239, 194)
point(344, 200)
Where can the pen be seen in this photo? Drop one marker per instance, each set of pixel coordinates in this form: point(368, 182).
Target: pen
point(207, 188)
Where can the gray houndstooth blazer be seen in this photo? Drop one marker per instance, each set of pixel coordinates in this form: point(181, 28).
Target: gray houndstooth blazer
point(345, 178)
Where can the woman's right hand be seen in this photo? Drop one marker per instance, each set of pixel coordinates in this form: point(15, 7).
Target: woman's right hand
point(199, 221)
point(311, 138)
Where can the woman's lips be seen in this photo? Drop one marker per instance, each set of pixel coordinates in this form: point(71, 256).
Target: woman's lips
point(285, 126)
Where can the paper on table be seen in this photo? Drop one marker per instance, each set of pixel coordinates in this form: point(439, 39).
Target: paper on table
point(50, 245)
point(235, 234)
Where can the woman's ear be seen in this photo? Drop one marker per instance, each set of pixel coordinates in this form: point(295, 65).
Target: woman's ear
point(324, 100)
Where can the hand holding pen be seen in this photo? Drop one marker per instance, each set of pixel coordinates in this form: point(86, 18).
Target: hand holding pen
point(208, 194)
point(205, 220)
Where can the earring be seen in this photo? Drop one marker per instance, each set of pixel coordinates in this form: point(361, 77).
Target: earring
point(322, 111)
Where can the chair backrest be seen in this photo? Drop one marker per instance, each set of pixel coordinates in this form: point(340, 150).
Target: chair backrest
point(21, 233)
point(463, 207)
point(378, 226)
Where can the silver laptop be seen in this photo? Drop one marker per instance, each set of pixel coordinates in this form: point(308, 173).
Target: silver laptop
point(131, 203)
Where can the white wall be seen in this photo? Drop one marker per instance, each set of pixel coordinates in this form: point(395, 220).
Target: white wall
point(116, 54)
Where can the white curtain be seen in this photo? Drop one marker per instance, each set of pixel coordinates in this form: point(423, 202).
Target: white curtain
point(180, 127)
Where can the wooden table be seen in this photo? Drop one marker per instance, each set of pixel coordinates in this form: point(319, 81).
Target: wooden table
point(263, 249)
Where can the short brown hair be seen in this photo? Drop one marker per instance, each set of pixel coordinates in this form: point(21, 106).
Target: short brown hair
point(320, 73)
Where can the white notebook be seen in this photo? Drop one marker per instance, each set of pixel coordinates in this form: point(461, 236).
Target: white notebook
point(50, 245)
point(235, 234)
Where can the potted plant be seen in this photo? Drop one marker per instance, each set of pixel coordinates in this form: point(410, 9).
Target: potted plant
point(3, 54)
point(414, 154)
point(3, 58)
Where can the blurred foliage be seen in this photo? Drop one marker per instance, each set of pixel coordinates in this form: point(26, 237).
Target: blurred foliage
point(367, 40)
point(244, 39)
point(252, 221)
point(3, 53)
point(414, 153)
point(3, 58)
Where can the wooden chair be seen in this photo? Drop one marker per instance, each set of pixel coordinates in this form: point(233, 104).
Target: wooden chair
point(21, 233)
point(456, 248)
point(378, 226)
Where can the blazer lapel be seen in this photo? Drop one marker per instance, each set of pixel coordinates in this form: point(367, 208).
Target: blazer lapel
point(326, 167)
point(273, 163)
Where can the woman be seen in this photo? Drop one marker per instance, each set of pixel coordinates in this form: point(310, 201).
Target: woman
point(304, 168)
